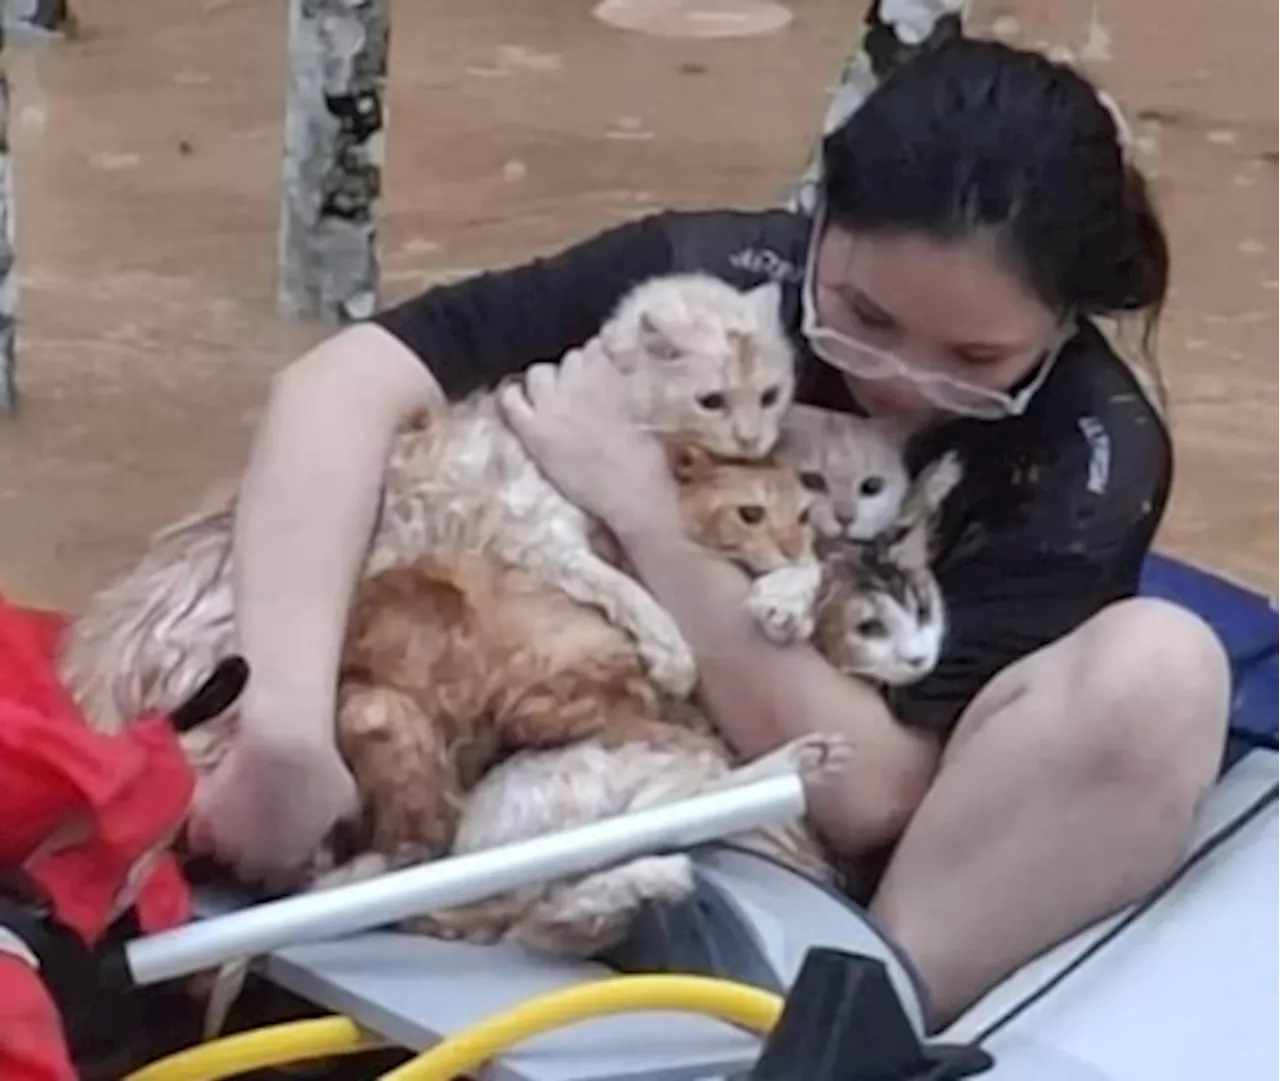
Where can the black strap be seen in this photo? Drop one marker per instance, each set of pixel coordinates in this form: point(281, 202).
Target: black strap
point(92, 988)
point(215, 695)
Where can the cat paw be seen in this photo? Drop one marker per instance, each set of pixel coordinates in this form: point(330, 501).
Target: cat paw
point(476, 925)
point(670, 664)
point(359, 868)
point(814, 758)
point(782, 604)
point(819, 755)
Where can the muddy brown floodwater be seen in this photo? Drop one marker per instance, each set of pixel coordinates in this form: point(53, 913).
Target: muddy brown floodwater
point(148, 162)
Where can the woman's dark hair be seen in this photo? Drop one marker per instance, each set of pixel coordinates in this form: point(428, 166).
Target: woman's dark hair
point(976, 135)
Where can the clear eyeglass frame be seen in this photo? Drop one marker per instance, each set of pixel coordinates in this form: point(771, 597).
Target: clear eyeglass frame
point(867, 361)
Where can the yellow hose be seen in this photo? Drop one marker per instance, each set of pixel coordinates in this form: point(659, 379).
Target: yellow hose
point(298, 1041)
point(735, 1002)
point(274, 1045)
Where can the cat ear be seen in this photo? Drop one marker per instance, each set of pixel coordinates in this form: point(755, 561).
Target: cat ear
point(654, 340)
point(907, 543)
point(617, 344)
point(938, 479)
point(767, 298)
point(910, 537)
point(687, 461)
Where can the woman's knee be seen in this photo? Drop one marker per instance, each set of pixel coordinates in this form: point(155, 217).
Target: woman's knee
point(1149, 684)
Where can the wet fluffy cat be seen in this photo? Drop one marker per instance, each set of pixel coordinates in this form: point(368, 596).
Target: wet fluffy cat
point(450, 665)
point(701, 360)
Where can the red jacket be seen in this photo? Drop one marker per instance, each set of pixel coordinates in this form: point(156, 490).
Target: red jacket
point(120, 800)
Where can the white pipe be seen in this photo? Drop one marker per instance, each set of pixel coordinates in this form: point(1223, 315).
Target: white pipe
point(458, 880)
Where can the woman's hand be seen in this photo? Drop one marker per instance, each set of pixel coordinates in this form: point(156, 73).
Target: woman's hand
point(269, 803)
point(573, 421)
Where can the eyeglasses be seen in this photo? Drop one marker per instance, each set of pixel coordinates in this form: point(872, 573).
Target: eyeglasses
point(868, 361)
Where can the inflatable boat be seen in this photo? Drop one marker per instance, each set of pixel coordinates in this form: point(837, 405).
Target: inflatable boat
point(1183, 985)
point(764, 974)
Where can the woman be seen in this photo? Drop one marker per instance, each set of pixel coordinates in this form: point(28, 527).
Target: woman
point(977, 212)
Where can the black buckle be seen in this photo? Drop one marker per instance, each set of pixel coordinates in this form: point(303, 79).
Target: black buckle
point(843, 1021)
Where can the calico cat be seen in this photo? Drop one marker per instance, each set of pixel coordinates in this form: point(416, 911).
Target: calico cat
point(702, 361)
point(880, 614)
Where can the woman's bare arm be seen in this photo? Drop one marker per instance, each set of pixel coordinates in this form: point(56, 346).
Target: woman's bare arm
point(307, 506)
point(762, 695)
point(306, 511)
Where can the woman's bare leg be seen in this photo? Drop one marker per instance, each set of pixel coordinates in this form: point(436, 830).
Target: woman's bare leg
point(1067, 792)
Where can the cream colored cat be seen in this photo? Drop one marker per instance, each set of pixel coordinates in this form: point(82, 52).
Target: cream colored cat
point(536, 792)
point(854, 468)
point(700, 359)
point(852, 464)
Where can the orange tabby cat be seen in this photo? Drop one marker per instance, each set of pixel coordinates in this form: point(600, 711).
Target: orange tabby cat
point(449, 667)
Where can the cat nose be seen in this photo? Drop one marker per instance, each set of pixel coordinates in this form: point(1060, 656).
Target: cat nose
point(916, 661)
point(850, 528)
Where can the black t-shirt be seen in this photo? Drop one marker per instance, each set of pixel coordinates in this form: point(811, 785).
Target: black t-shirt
point(1057, 507)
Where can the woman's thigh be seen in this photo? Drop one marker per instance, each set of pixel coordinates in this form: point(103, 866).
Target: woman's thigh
point(1142, 672)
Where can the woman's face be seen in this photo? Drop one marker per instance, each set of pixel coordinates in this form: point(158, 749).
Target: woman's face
point(895, 311)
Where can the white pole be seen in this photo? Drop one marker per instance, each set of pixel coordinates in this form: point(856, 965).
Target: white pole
point(459, 880)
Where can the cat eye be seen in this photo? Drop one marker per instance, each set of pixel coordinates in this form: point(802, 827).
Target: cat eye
point(752, 513)
point(872, 628)
point(770, 397)
point(872, 486)
point(815, 482)
point(713, 403)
